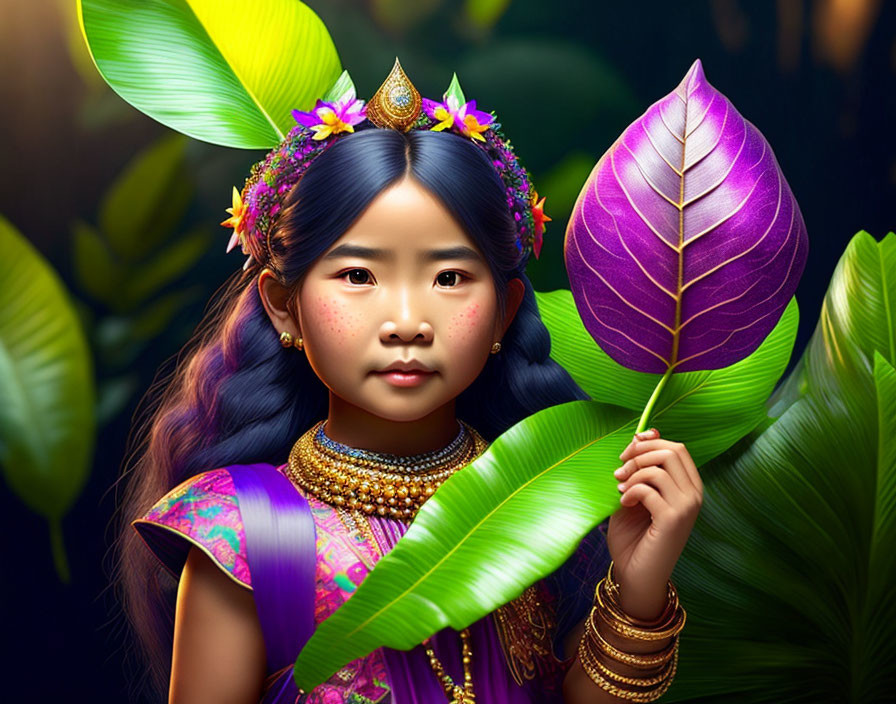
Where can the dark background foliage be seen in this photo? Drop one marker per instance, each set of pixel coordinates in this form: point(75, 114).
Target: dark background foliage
point(565, 78)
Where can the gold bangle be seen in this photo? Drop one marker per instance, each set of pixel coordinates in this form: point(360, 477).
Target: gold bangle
point(632, 695)
point(638, 660)
point(634, 680)
point(611, 592)
point(620, 623)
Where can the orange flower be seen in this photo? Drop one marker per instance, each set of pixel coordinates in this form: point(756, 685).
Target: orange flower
point(237, 212)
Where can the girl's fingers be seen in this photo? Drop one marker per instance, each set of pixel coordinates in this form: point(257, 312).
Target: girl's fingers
point(650, 497)
point(663, 456)
point(660, 480)
point(650, 433)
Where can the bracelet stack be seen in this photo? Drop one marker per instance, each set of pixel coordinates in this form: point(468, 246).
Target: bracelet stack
point(662, 664)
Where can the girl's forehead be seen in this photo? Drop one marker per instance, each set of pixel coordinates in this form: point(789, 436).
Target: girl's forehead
point(403, 218)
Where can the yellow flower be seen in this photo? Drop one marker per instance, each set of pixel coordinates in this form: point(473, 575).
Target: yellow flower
point(331, 124)
point(445, 117)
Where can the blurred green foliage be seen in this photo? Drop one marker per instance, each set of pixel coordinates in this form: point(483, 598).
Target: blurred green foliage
point(133, 264)
point(47, 423)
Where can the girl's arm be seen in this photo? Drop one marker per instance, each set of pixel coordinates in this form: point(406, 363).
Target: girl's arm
point(219, 655)
point(662, 495)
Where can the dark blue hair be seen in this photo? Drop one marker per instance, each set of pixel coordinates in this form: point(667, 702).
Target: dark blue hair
point(236, 396)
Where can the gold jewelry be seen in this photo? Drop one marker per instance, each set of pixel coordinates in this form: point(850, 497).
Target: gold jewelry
point(611, 587)
point(377, 483)
point(355, 523)
point(286, 340)
point(668, 624)
point(525, 628)
point(496, 348)
point(361, 482)
point(396, 103)
point(300, 344)
point(457, 694)
point(638, 660)
point(637, 695)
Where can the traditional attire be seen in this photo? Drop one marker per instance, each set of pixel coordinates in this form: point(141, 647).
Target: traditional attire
point(515, 648)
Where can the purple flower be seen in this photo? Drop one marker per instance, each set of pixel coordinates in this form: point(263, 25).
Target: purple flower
point(333, 117)
point(465, 118)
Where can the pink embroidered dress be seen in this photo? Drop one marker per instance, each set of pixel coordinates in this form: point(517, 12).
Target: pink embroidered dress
point(204, 511)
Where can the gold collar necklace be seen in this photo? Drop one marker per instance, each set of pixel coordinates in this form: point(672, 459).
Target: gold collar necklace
point(377, 483)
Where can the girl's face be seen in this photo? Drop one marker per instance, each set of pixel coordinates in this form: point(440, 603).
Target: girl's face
point(404, 286)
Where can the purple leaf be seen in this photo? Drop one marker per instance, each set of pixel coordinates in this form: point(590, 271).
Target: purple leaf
point(685, 244)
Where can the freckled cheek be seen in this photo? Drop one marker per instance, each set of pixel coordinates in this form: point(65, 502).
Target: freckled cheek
point(333, 320)
point(466, 326)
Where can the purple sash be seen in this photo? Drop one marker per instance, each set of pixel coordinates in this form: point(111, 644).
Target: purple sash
point(282, 556)
point(281, 552)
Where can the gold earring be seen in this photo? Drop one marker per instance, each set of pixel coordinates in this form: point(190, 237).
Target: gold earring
point(286, 340)
point(496, 348)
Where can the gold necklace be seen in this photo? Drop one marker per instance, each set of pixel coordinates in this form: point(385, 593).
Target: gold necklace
point(377, 483)
point(359, 483)
point(457, 694)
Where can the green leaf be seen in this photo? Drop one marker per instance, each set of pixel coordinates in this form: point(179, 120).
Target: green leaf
point(789, 576)
point(528, 499)
point(46, 386)
point(95, 266)
point(342, 85)
point(212, 69)
point(605, 380)
point(155, 318)
point(147, 200)
point(455, 91)
point(166, 266)
point(860, 306)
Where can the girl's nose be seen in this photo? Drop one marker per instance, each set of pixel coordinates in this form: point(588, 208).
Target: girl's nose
point(406, 330)
point(407, 322)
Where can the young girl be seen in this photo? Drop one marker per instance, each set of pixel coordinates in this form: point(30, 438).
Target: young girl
point(381, 334)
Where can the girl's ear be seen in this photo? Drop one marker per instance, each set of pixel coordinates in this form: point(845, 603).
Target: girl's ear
point(514, 296)
point(275, 298)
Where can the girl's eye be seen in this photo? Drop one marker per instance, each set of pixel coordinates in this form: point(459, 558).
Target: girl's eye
point(448, 278)
point(358, 276)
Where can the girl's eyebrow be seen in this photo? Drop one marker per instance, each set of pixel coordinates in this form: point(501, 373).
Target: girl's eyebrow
point(431, 255)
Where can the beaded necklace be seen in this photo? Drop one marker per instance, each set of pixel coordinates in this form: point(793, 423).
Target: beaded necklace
point(360, 482)
point(387, 485)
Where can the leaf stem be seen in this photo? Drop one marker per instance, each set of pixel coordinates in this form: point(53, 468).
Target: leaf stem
point(645, 416)
point(58, 546)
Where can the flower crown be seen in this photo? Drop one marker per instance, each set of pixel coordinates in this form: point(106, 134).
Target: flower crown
point(396, 105)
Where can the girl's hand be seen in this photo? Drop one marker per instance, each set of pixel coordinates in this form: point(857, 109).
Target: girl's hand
point(660, 498)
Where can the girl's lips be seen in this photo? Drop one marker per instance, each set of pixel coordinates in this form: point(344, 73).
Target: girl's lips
point(410, 378)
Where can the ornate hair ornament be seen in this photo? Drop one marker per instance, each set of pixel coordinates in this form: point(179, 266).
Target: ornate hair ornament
point(395, 105)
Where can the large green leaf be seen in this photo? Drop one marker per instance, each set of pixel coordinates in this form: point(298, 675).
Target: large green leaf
point(516, 513)
point(789, 576)
point(46, 387)
point(223, 71)
point(860, 305)
point(525, 502)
